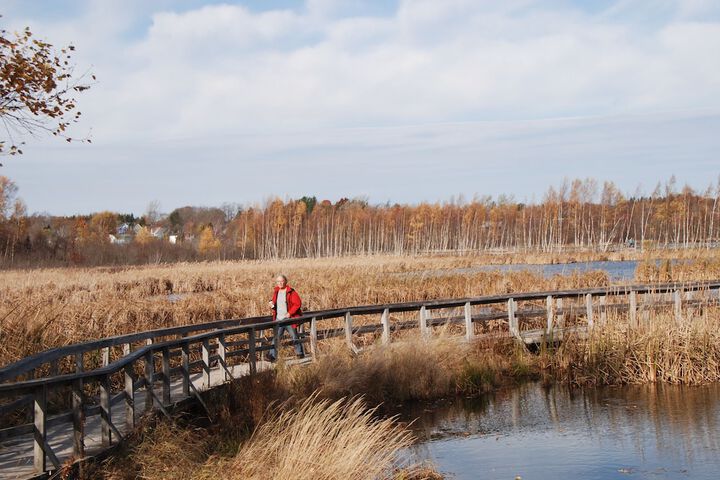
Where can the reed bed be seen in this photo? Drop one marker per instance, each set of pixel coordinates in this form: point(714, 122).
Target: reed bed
point(41, 309)
point(312, 439)
point(660, 349)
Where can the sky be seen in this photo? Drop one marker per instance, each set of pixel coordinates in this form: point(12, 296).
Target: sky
point(204, 102)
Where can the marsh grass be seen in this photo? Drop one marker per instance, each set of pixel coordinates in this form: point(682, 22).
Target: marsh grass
point(310, 439)
point(660, 349)
point(41, 309)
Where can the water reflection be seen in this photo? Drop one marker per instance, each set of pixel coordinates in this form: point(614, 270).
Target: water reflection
point(555, 432)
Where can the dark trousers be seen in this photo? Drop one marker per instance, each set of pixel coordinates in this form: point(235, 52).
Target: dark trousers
point(293, 335)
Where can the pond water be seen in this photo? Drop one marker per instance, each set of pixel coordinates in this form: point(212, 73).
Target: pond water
point(616, 270)
point(537, 432)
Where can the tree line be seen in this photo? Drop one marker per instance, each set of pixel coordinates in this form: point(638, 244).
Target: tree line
point(578, 214)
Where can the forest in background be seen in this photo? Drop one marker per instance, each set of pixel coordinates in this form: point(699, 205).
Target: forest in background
point(580, 214)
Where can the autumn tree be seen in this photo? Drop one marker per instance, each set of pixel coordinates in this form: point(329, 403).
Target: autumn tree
point(38, 85)
point(208, 244)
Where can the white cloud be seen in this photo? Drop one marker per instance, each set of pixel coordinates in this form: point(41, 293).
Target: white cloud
point(205, 73)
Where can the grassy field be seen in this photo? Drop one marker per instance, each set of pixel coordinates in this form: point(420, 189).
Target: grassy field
point(45, 308)
point(40, 309)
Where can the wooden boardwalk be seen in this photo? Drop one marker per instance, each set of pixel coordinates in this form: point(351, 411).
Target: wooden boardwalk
point(81, 399)
point(16, 454)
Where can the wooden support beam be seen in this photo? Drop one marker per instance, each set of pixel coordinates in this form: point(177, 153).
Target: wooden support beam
point(185, 358)
point(129, 398)
point(39, 430)
point(206, 361)
point(589, 310)
point(678, 306)
point(251, 351)
point(422, 318)
point(550, 310)
point(603, 310)
point(469, 327)
point(166, 376)
point(106, 356)
point(149, 374)
point(221, 354)
point(348, 330)
point(79, 366)
point(105, 411)
point(78, 420)
point(559, 313)
point(512, 318)
point(385, 321)
point(646, 305)
point(633, 308)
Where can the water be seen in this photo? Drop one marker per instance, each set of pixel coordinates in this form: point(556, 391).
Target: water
point(537, 432)
point(616, 270)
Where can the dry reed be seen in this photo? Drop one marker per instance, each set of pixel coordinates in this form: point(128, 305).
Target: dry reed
point(315, 439)
point(41, 309)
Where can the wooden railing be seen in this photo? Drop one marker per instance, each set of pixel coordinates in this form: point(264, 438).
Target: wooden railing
point(66, 385)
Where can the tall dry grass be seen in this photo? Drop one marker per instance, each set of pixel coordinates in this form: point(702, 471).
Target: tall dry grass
point(660, 349)
point(412, 369)
point(314, 439)
point(41, 309)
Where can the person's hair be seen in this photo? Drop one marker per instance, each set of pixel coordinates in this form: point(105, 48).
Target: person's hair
point(284, 277)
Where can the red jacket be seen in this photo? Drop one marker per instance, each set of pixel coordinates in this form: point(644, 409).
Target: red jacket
point(294, 304)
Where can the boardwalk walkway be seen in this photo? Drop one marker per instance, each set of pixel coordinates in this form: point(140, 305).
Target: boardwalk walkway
point(16, 454)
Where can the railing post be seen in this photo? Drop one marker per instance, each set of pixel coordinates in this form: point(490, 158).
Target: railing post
point(678, 306)
point(79, 366)
point(512, 319)
point(39, 431)
point(78, 420)
point(206, 361)
point(185, 358)
point(469, 327)
point(559, 313)
point(221, 354)
point(129, 398)
point(648, 300)
point(385, 321)
point(589, 310)
point(422, 318)
point(549, 308)
point(149, 374)
point(105, 356)
point(348, 330)
point(166, 375)
point(633, 308)
point(105, 411)
point(603, 310)
point(251, 351)
point(313, 337)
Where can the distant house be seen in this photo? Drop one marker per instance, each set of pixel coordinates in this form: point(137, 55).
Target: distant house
point(123, 229)
point(119, 239)
point(173, 239)
point(157, 232)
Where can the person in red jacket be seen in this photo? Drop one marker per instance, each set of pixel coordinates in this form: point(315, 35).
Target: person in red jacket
point(286, 303)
